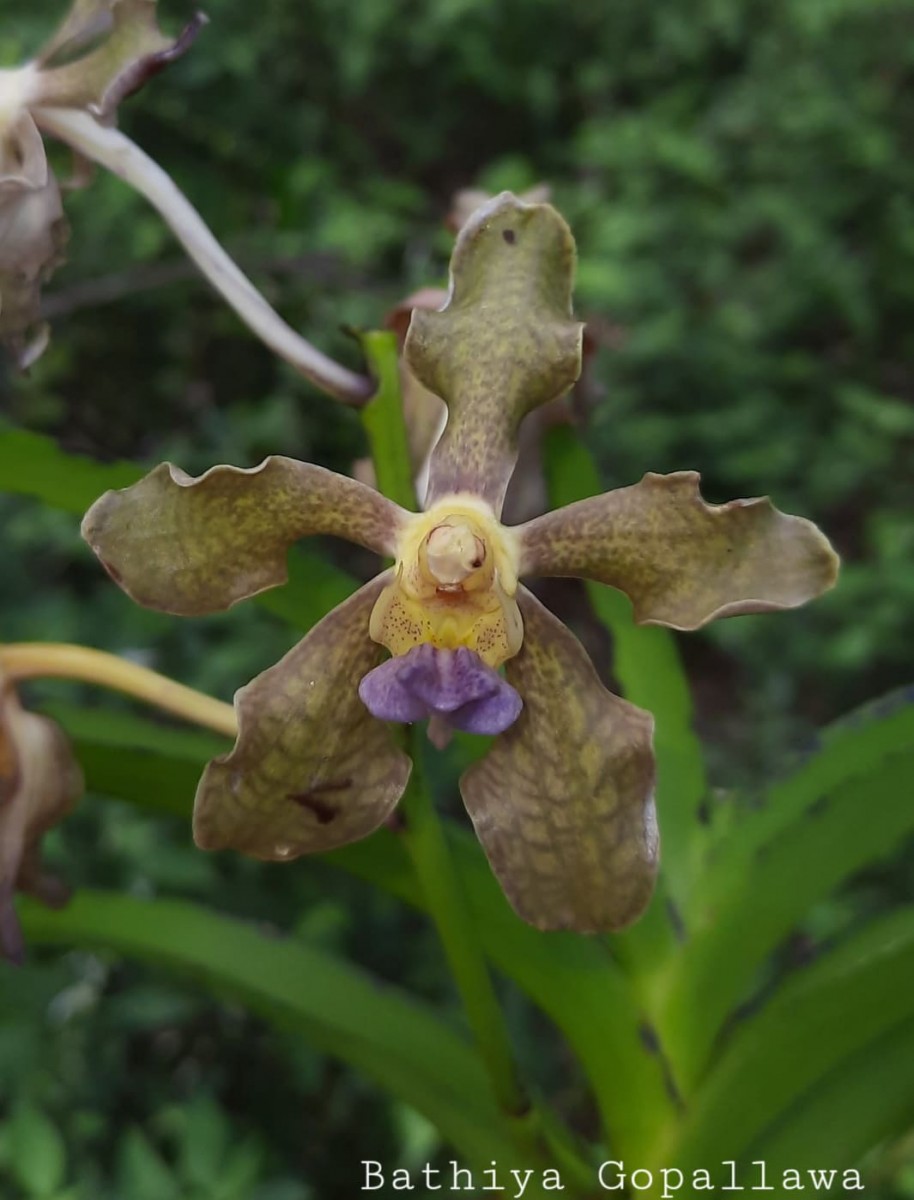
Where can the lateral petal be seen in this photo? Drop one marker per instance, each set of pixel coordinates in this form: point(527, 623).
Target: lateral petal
point(680, 561)
point(312, 769)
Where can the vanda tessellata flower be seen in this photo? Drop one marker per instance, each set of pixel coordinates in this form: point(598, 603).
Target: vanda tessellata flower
point(563, 800)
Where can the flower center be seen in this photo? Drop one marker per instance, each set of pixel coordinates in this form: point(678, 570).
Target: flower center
point(451, 553)
point(456, 576)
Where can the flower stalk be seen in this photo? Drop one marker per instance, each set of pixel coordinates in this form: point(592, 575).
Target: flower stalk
point(122, 157)
point(58, 660)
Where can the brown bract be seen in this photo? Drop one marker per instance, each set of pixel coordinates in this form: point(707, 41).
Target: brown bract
point(39, 783)
point(102, 51)
point(563, 800)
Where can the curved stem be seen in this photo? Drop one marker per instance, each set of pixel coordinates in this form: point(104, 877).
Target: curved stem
point(424, 838)
point(124, 158)
point(58, 660)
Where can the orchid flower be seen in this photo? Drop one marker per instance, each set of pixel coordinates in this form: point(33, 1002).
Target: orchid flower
point(103, 51)
point(562, 802)
point(39, 783)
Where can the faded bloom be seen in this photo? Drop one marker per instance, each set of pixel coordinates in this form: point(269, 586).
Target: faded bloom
point(39, 783)
point(563, 800)
point(103, 51)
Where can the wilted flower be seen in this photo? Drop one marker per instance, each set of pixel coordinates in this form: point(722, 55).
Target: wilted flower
point(563, 800)
point(39, 783)
point(103, 51)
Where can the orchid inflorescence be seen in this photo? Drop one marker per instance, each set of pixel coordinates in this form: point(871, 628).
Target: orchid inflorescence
point(102, 51)
point(562, 801)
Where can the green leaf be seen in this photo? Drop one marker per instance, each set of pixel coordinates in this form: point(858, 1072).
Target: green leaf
point(383, 420)
point(845, 807)
point(142, 1173)
point(394, 1040)
point(38, 1156)
point(133, 759)
point(34, 465)
point(571, 978)
point(853, 1108)
point(820, 1019)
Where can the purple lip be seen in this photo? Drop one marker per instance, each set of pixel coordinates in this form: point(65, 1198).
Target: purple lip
point(455, 685)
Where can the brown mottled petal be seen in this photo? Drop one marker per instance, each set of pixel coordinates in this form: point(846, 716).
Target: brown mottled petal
point(504, 344)
point(190, 546)
point(563, 802)
point(133, 50)
point(39, 783)
point(33, 232)
point(680, 561)
point(312, 769)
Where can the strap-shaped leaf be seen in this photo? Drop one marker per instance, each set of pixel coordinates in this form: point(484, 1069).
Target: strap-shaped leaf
point(191, 546)
point(563, 802)
point(680, 561)
point(571, 978)
point(394, 1039)
point(842, 826)
point(504, 344)
point(860, 1104)
point(827, 1013)
point(312, 769)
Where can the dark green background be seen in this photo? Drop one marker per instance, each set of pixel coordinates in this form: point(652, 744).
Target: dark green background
point(740, 178)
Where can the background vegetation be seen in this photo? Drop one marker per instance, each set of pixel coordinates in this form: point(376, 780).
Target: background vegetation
point(739, 175)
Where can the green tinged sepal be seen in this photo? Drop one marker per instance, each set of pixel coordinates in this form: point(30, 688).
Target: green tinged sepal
point(102, 52)
point(504, 343)
point(39, 784)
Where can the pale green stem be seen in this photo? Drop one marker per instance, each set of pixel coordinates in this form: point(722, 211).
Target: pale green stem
point(115, 151)
point(426, 844)
point(57, 660)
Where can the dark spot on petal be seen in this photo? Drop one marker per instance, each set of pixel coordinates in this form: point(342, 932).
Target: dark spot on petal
point(509, 235)
point(311, 800)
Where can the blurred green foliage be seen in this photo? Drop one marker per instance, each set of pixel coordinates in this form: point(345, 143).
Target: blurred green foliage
point(740, 179)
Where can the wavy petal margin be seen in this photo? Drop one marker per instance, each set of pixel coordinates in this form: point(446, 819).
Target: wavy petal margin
point(563, 803)
point(504, 343)
point(680, 561)
point(189, 546)
point(312, 769)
